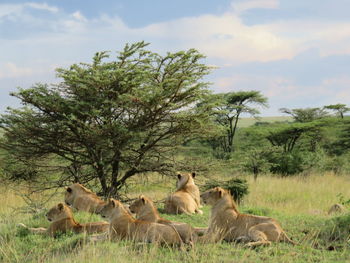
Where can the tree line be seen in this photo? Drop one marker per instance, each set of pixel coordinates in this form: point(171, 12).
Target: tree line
point(128, 114)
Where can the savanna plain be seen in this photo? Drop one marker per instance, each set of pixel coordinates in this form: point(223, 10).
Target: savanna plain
point(299, 203)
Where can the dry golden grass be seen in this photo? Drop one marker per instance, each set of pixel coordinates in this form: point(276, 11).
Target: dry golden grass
point(312, 194)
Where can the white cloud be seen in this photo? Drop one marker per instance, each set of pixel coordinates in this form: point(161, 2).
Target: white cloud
point(241, 6)
point(12, 10)
point(6, 9)
point(42, 6)
point(11, 70)
point(78, 16)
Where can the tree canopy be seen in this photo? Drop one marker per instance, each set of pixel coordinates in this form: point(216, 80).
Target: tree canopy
point(340, 109)
point(228, 108)
point(110, 119)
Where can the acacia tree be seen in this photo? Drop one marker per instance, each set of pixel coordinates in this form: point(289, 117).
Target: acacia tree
point(286, 136)
point(305, 115)
point(111, 119)
point(228, 108)
point(340, 109)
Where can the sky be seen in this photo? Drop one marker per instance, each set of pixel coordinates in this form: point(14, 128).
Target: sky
point(295, 52)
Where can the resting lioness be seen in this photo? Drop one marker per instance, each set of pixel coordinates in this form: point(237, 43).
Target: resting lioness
point(186, 198)
point(124, 226)
point(227, 223)
point(145, 210)
point(62, 221)
point(336, 209)
point(82, 199)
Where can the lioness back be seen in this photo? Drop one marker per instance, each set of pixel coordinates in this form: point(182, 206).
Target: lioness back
point(186, 198)
point(155, 232)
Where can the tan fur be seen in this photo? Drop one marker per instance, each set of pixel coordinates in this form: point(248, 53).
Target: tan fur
point(227, 223)
point(186, 198)
point(62, 220)
point(145, 210)
point(82, 199)
point(124, 226)
point(336, 209)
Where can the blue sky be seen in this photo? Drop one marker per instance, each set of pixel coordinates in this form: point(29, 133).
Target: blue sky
point(297, 53)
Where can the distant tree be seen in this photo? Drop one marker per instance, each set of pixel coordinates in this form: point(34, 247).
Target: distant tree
point(294, 146)
point(305, 115)
point(340, 109)
point(256, 160)
point(228, 108)
point(287, 135)
point(111, 119)
point(342, 143)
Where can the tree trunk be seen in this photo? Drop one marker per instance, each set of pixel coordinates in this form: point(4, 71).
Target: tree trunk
point(102, 178)
point(114, 176)
point(233, 130)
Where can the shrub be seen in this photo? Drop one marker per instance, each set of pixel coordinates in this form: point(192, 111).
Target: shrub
point(237, 187)
point(336, 230)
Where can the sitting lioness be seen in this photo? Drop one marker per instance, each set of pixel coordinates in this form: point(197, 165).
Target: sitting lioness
point(124, 226)
point(145, 210)
point(186, 198)
point(82, 199)
point(227, 223)
point(62, 221)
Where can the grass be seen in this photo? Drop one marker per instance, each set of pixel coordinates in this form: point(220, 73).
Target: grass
point(298, 203)
point(246, 122)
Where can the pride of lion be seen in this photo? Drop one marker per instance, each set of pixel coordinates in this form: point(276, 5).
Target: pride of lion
point(225, 223)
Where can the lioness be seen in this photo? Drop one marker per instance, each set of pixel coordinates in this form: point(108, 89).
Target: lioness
point(227, 223)
point(145, 210)
point(124, 226)
point(62, 220)
point(82, 198)
point(336, 209)
point(186, 198)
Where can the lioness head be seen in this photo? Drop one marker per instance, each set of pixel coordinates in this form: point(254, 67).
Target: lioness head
point(213, 195)
point(58, 212)
point(112, 208)
point(71, 193)
point(139, 204)
point(184, 179)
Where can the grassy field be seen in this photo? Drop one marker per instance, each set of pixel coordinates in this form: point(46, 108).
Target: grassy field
point(246, 122)
point(299, 203)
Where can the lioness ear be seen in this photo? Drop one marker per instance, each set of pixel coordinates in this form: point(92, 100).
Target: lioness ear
point(113, 203)
point(143, 199)
point(60, 206)
point(220, 192)
point(193, 174)
point(179, 176)
point(69, 190)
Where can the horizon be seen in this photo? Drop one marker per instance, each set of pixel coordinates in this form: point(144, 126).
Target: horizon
point(295, 53)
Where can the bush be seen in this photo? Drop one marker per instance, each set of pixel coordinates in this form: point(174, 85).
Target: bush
point(336, 230)
point(237, 187)
point(294, 162)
